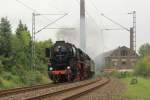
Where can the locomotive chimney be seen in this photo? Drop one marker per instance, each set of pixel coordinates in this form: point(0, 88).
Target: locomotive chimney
point(82, 26)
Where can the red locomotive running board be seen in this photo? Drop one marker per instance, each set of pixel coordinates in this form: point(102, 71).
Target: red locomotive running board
point(56, 72)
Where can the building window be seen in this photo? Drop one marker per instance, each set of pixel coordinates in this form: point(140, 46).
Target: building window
point(114, 63)
point(123, 63)
point(124, 53)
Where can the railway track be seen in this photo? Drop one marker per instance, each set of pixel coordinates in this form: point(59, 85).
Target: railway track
point(28, 92)
point(51, 91)
point(4, 93)
point(73, 92)
point(14, 91)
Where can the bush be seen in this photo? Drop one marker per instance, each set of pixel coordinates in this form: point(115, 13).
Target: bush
point(143, 66)
point(5, 83)
point(8, 84)
point(33, 78)
point(121, 74)
point(115, 74)
point(1, 67)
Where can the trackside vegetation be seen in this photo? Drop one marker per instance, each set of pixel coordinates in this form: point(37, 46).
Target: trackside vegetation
point(15, 53)
point(143, 65)
point(140, 90)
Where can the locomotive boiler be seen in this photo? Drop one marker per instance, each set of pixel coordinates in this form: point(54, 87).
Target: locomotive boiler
point(68, 63)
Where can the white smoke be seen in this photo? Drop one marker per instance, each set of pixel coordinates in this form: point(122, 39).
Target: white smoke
point(71, 36)
point(94, 43)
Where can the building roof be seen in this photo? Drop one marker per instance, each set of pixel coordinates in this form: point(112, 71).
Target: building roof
point(116, 51)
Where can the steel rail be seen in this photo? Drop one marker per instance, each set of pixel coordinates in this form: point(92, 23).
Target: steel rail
point(57, 93)
point(14, 91)
point(24, 89)
point(72, 97)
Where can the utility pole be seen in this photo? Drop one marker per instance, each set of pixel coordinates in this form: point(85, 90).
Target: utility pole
point(82, 26)
point(34, 32)
point(131, 39)
point(133, 31)
point(134, 27)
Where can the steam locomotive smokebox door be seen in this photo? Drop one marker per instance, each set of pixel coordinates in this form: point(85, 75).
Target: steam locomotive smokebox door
point(48, 52)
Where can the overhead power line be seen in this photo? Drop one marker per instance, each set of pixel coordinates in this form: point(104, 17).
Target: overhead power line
point(26, 6)
point(40, 14)
point(51, 23)
point(94, 5)
point(61, 28)
point(36, 12)
point(115, 22)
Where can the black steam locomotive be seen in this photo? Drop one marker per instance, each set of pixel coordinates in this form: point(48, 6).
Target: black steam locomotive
point(68, 63)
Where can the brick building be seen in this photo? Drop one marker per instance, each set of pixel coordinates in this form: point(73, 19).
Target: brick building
point(121, 58)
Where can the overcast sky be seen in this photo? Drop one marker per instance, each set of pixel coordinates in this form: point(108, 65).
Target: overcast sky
point(115, 9)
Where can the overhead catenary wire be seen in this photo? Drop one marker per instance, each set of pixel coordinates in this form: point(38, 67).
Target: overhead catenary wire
point(115, 22)
point(50, 23)
point(101, 32)
point(25, 5)
point(60, 28)
point(98, 26)
point(36, 12)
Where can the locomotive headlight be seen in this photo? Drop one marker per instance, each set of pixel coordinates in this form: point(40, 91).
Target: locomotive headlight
point(68, 67)
point(50, 68)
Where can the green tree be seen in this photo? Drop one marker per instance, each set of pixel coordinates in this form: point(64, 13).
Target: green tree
point(15, 57)
point(21, 45)
point(41, 61)
point(21, 27)
point(5, 37)
point(144, 50)
point(143, 64)
point(23, 34)
point(1, 67)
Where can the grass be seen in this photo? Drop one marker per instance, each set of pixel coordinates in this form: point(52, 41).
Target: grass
point(139, 91)
point(9, 80)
